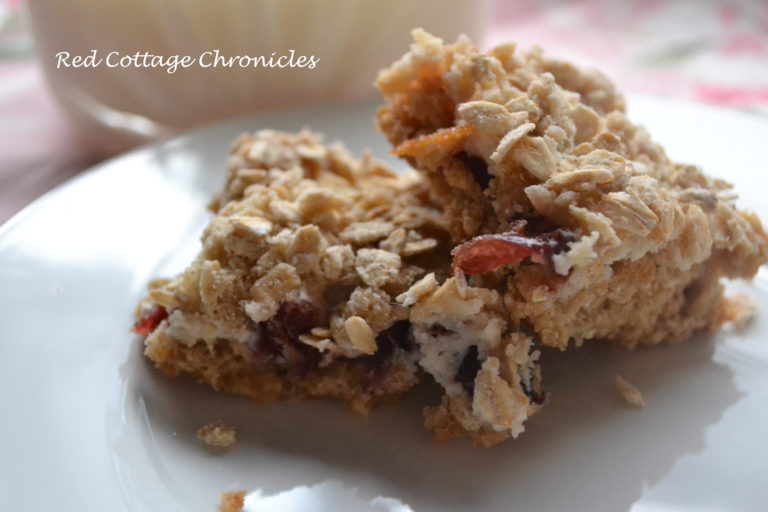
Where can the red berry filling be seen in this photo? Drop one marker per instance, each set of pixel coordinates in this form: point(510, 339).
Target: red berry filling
point(488, 252)
point(149, 320)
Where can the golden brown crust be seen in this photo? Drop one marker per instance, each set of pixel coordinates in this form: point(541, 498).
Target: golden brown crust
point(449, 421)
point(644, 302)
point(228, 366)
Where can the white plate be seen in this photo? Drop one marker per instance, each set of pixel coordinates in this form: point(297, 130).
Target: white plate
point(89, 425)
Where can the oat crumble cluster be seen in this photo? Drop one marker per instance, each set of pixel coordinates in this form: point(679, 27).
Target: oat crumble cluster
point(539, 216)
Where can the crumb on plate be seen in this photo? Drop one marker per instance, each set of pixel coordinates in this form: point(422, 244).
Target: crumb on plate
point(232, 501)
point(629, 392)
point(217, 433)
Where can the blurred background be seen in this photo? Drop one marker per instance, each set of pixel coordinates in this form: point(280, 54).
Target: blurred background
point(54, 123)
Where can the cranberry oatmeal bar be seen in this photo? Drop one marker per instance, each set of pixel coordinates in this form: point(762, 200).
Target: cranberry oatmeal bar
point(310, 272)
point(544, 216)
point(559, 204)
point(292, 294)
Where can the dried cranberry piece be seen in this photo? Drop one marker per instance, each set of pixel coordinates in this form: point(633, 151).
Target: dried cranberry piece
point(263, 346)
point(281, 334)
point(396, 337)
point(468, 369)
point(149, 320)
point(488, 252)
point(293, 319)
point(535, 397)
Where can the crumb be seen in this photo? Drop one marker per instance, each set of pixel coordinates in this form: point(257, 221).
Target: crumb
point(218, 434)
point(739, 310)
point(232, 501)
point(630, 393)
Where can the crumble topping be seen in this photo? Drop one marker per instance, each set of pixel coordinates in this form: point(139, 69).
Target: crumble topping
point(294, 290)
point(299, 231)
point(360, 335)
point(553, 141)
point(420, 288)
point(517, 146)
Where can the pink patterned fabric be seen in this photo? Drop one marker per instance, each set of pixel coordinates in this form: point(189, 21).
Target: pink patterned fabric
point(713, 51)
point(37, 151)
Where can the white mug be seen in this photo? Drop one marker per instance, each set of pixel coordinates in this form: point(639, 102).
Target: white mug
point(118, 68)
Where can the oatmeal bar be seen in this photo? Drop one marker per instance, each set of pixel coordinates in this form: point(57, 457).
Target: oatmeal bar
point(293, 292)
point(311, 271)
point(567, 218)
point(558, 202)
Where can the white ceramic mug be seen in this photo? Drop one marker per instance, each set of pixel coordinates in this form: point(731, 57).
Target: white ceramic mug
point(119, 102)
